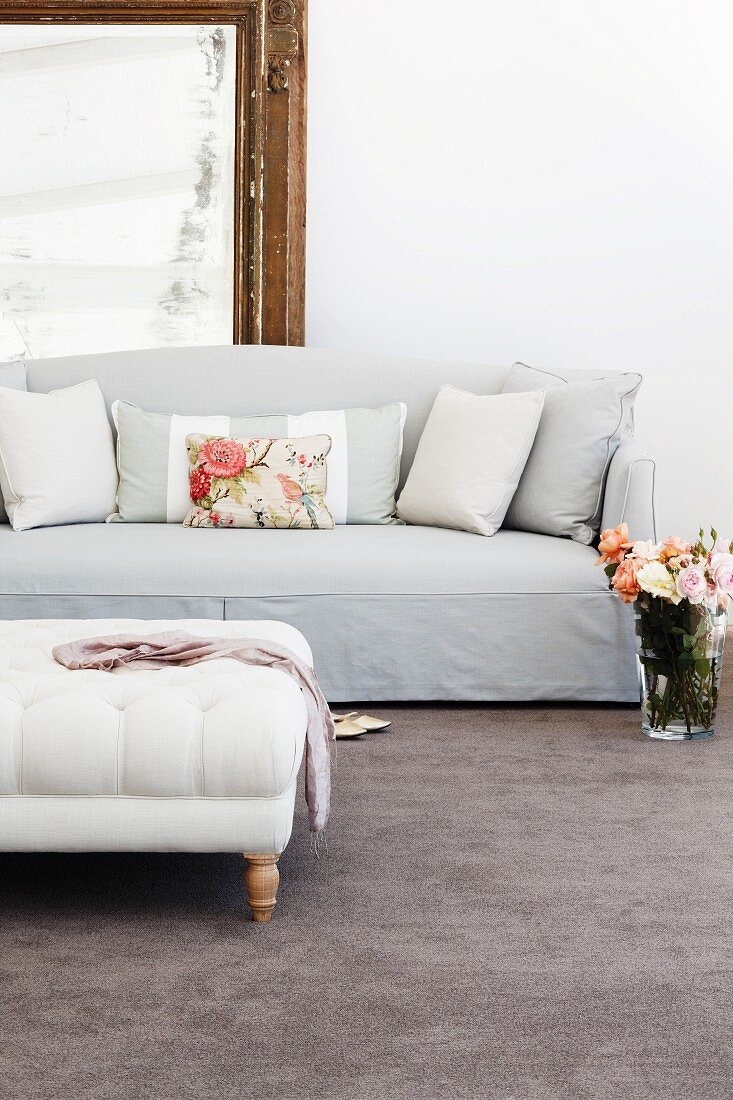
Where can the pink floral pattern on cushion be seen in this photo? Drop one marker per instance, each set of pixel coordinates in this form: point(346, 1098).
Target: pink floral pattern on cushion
point(222, 457)
point(278, 483)
point(200, 484)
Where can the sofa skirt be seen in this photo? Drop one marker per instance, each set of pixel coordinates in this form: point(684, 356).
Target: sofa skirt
point(457, 647)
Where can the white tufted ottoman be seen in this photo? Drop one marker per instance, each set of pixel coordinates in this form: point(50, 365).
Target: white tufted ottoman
point(198, 759)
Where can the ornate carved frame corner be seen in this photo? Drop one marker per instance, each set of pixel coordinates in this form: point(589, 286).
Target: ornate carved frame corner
point(270, 142)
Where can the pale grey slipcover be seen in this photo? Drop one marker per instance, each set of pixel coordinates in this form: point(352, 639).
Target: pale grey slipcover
point(391, 613)
point(629, 491)
point(251, 380)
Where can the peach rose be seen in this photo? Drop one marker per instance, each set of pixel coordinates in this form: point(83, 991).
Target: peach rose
point(674, 547)
point(614, 544)
point(624, 582)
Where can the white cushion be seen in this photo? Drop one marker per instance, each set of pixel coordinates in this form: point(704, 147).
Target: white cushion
point(218, 729)
point(12, 375)
point(57, 459)
point(469, 460)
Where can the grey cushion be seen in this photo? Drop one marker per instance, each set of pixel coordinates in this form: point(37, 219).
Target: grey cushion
point(561, 490)
point(12, 375)
point(390, 612)
point(363, 463)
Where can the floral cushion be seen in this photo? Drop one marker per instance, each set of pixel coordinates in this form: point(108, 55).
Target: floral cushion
point(258, 482)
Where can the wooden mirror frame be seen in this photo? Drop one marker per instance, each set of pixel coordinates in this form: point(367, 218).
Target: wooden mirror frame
point(270, 142)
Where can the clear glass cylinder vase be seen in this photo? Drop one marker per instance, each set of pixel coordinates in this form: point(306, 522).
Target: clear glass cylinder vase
point(680, 657)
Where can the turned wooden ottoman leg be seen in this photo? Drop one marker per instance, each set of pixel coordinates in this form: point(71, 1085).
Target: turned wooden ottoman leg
point(261, 878)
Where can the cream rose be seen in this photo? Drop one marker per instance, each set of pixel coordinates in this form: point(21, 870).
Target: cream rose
point(645, 550)
point(656, 579)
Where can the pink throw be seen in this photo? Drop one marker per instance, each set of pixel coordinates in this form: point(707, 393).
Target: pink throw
point(178, 648)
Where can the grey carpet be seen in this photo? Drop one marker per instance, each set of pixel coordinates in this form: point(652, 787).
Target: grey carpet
point(524, 903)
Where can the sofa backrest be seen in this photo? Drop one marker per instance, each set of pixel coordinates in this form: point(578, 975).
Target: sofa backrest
point(249, 379)
point(244, 380)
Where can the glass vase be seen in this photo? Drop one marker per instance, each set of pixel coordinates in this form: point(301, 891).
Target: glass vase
point(680, 657)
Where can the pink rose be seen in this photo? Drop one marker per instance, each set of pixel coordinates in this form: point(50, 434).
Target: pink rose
point(692, 583)
point(721, 566)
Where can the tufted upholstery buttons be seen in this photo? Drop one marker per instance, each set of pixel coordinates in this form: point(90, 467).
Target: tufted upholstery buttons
point(218, 729)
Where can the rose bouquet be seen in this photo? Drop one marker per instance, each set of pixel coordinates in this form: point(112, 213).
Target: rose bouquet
point(680, 592)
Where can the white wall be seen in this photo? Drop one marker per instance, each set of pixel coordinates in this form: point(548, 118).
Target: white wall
point(550, 180)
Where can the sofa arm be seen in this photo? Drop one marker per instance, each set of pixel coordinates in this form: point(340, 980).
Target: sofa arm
point(629, 495)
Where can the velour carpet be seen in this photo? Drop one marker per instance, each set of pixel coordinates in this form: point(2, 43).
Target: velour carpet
point(528, 903)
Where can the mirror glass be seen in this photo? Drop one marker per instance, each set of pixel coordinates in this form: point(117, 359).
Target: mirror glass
point(116, 187)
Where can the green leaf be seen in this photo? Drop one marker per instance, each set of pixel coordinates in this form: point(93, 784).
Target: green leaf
point(688, 641)
point(702, 666)
point(251, 475)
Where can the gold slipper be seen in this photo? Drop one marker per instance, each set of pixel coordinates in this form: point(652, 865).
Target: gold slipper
point(371, 725)
point(346, 729)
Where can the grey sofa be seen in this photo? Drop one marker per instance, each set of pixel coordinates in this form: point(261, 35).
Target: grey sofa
point(391, 613)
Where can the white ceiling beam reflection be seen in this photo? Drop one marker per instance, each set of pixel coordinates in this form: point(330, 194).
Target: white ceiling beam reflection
point(100, 193)
point(92, 51)
point(70, 287)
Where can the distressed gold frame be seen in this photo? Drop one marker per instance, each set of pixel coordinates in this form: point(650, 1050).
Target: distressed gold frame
point(270, 143)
